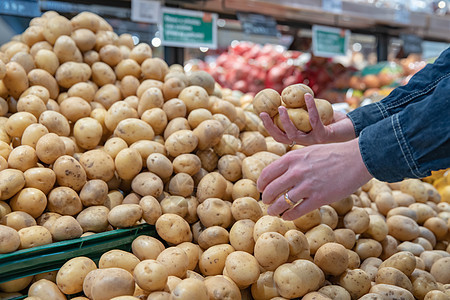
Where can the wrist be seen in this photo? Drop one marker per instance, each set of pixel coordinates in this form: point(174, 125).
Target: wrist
point(342, 131)
point(362, 174)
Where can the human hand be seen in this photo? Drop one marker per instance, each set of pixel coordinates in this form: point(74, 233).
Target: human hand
point(340, 130)
point(319, 174)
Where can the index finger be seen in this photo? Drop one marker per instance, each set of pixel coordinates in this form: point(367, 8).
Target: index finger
point(271, 172)
point(273, 129)
point(291, 131)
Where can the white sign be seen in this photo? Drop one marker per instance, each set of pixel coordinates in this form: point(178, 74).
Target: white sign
point(147, 11)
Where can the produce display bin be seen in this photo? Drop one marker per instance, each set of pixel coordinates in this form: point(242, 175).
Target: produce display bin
point(51, 257)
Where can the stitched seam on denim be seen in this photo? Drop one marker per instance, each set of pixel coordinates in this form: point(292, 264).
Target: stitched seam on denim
point(382, 110)
point(416, 94)
point(401, 141)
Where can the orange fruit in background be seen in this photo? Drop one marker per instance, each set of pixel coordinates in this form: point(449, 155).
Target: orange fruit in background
point(439, 172)
point(445, 193)
point(440, 183)
point(371, 81)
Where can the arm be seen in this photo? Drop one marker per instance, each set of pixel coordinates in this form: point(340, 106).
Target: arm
point(412, 142)
point(420, 85)
point(345, 128)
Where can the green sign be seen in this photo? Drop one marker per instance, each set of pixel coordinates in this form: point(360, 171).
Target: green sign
point(329, 41)
point(187, 28)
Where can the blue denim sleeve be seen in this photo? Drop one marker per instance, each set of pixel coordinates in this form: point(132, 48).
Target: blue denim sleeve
point(412, 142)
point(420, 85)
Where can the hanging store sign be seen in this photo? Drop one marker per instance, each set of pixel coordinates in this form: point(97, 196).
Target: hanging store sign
point(411, 43)
point(23, 8)
point(188, 28)
point(145, 11)
point(329, 41)
point(334, 6)
point(258, 24)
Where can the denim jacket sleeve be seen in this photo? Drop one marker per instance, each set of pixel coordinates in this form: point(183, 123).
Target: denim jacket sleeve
point(414, 141)
point(420, 85)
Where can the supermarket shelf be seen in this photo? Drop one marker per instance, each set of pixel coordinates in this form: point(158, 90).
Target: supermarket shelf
point(51, 257)
point(438, 26)
point(357, 16)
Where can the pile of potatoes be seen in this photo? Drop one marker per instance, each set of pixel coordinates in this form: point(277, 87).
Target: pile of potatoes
point(97, 134)
point(386, 241)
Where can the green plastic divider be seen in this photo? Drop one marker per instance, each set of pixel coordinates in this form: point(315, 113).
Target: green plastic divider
point(51, 257)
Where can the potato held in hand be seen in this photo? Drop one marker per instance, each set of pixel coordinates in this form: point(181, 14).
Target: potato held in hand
point(300, 117)
point(267, 101)
point(325, 111)
point(294, 95)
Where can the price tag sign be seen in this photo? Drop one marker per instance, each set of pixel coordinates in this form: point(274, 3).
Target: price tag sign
point(188, 28)
point(411, 43)
point(329, 41)
point(23, 8)
point(145, 11)
point(258, 24)
point(334, 6)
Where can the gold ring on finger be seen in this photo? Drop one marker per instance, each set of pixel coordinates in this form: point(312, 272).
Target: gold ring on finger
point(288, 200)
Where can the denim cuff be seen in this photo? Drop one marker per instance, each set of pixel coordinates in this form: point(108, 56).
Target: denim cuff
point(419, 87)
point(366, 116)
point(386, 152)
